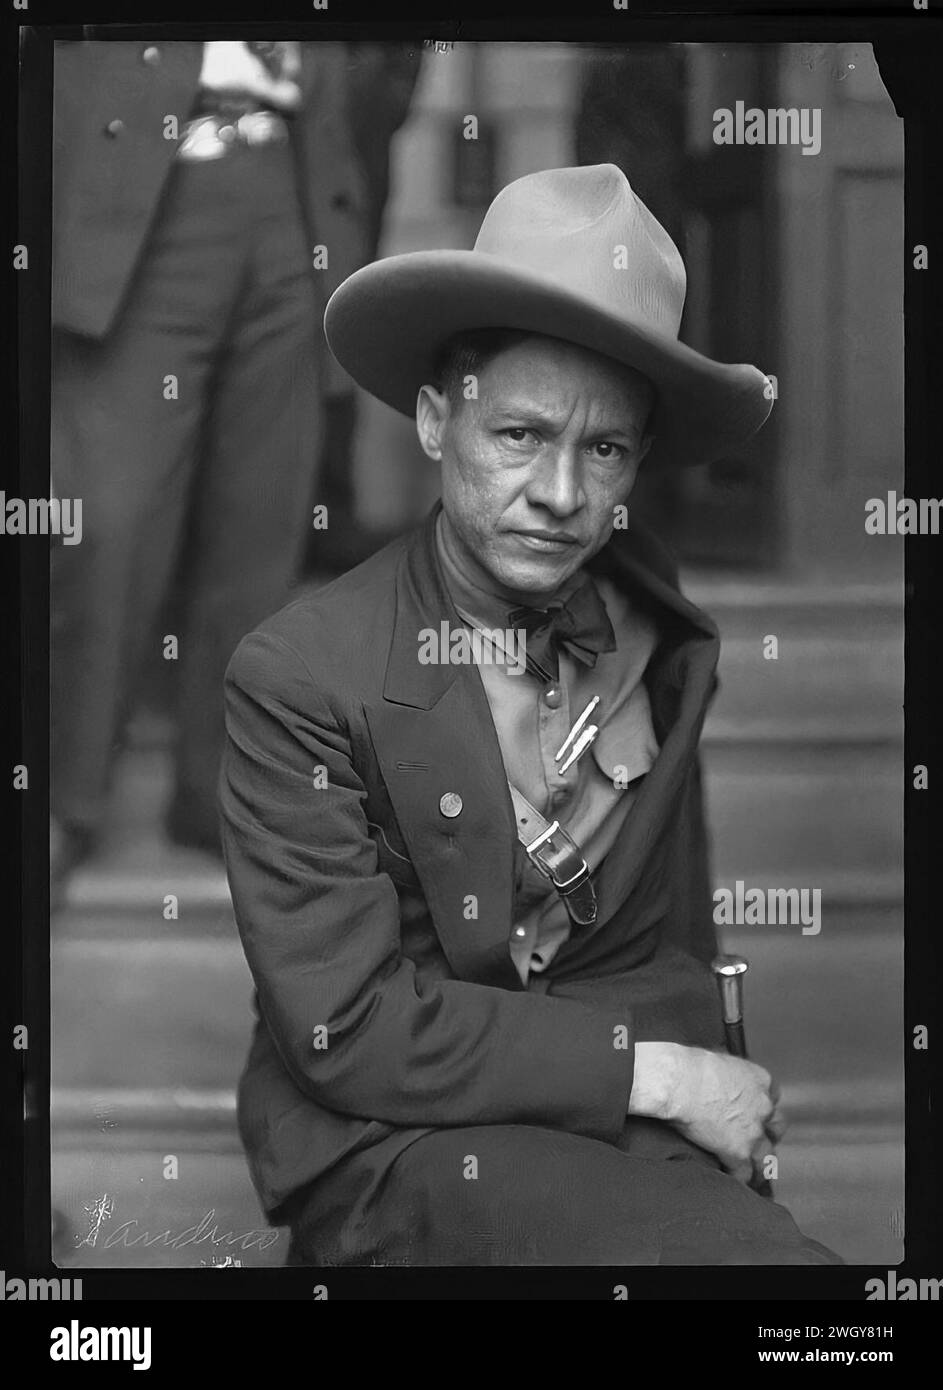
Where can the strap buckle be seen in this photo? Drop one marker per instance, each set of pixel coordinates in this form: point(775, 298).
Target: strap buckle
point(557, 856)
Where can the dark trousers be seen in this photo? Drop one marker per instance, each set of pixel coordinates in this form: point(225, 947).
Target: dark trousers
point(207, 493)
point(522, 1195)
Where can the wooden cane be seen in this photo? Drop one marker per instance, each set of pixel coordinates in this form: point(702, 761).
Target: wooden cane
point(729, 972)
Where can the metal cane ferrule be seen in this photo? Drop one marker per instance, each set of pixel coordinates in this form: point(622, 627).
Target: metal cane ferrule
point(729, 972)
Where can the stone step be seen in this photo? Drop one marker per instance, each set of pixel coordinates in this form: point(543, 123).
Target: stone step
point(142, 1013)
point(203, 1120)
point(828, 813)
point(175, 1014)
point(130, 909)
point(815, 692)
point(812, 814)
point(742, 603)
point(844, 1186)
point(838, 676)
point(115, 1209)
point(156, 1077)
point(825, 1014)
point(151, 1018)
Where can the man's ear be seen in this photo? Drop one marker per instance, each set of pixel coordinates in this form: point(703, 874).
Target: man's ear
point(433, 409)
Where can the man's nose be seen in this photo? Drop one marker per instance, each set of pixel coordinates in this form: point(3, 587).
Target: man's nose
point(557, 482)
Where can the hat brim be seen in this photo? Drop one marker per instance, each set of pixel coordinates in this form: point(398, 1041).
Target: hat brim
point(387, 323)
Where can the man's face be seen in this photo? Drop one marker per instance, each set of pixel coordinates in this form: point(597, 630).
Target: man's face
point(532, 468)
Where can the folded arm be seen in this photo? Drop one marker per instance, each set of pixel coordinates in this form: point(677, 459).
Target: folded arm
point(320, 927)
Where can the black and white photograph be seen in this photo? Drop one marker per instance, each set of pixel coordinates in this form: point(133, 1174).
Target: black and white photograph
point(477, 543)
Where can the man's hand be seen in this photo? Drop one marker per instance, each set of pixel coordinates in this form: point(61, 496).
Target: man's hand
point(723, 1103)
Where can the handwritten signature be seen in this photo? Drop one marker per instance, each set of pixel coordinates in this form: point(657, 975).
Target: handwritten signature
point(97, 1212)
point(204, 1231)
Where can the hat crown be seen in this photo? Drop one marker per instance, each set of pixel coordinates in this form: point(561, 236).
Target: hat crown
point(571, 254)
point(588, 231)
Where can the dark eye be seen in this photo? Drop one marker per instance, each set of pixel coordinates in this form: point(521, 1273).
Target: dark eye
point(517, 434)
point(607, 450)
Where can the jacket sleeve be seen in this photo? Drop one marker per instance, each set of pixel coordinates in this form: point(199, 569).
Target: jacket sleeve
point(320, 927)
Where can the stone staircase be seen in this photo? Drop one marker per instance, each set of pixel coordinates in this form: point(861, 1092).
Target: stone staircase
point(804, 784)
point(803, 756)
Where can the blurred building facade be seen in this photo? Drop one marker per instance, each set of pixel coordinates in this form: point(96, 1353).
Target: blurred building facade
point(795, 263)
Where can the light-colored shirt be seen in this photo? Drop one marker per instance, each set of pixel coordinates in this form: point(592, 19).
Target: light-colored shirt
point(233, 68)
point(593, 797)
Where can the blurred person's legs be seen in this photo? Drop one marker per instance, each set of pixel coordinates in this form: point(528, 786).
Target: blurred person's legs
point(255, 489)
point(135, 446)
point(382, 78)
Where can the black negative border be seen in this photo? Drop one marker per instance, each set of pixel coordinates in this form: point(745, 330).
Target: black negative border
point(909, 49)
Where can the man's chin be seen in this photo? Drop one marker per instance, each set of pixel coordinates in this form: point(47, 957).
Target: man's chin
point(539, 574)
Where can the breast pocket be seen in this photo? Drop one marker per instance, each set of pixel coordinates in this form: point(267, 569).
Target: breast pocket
point(625, 748)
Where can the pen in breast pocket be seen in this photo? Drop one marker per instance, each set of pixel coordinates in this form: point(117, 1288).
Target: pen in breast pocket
point(587, 737)
point(574, 732)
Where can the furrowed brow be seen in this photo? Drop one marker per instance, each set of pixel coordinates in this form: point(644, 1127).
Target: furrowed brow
point(531, 416)
point(520, 415)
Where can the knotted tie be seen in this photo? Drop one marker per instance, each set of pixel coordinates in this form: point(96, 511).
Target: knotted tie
point(581, 624)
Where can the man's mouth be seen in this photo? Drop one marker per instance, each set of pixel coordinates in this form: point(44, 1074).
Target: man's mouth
point(551, 541)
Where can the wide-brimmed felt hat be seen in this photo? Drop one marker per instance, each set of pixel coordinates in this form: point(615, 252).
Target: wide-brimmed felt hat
point(568, 253)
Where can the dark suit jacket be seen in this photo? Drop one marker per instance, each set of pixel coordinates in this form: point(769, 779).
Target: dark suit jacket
point(351, 896)
point(107, 185)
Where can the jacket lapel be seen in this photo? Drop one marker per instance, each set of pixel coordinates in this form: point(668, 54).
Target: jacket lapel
point(433, 735)
point(434, 738)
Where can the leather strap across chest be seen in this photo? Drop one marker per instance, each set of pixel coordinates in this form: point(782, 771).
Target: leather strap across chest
point(557, 856)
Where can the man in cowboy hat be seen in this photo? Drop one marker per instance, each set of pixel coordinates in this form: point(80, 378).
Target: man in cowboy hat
point(473, 892)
